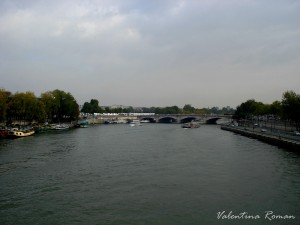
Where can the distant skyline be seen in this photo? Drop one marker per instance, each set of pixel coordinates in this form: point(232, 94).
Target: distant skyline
point(152, 53)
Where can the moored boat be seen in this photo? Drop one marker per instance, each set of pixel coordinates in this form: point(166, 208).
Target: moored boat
point(83, 124)
point(15, 133)
point(191, 125)
point(145, 121)
point(120, 121)
point(135, 122)
point(3, 133)
point(41, 129)
point(115, 121)
point(60, 127)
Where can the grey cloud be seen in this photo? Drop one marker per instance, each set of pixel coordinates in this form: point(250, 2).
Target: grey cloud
point(152, 52)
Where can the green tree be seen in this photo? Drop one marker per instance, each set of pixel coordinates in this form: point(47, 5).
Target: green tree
point(291, 107)
point(130, 109)
point(261, 109)
point(50, 105)
point(26, 107)
point(188, 109)
point(107, 110)
point(202, 111)
point(95, 106)
point(86, 108)
point(173, 110)
point(249, 108)
point(215, 110)
point(65, 106)
point(276, 108)
point(158, 110)
point(4, 100)
point(91, 107)
point(166, 110)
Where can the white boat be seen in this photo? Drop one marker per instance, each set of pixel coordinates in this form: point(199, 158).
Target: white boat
point(120, 121)
point(14, 133)
point(145, 121)
point(135, 123)
point(61, 127)
point(191, 125)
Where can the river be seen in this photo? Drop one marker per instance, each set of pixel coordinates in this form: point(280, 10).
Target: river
point(158, 174)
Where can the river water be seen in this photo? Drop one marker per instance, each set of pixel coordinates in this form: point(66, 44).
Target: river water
point(153, 174)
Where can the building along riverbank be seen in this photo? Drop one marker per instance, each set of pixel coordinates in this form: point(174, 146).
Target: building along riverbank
point(278, 139)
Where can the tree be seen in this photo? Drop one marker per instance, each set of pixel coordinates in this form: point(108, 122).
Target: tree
point(86, 108)
point(95, 106)
point(291, 107)
point(48, 100)
point(62, 106)
point(248, 108)
point(276, 108)
point(188, 109)
point(4, 100)
point(227, 110)
point(26, 107)
point(215, 110)
point(261, 109)
point(107, 109)
point(91, 107)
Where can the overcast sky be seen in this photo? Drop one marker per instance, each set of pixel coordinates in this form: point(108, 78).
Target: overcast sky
point(152, 52)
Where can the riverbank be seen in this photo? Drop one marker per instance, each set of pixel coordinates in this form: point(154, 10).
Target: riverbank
point(270, 138)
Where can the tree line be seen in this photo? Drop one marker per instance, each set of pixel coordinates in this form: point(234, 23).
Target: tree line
point(51, 106)
point(287, 109)
point(59, 106)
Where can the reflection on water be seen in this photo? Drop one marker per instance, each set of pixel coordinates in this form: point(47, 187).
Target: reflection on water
point(153, 174)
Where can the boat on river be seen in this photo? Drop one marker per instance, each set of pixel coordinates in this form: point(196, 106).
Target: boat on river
point(135, 123)
point(191, 125)
point(145, 121)
point(60, 127)
point(3, 132)
point(15, 133)
point(83, 124)
point(41, 128)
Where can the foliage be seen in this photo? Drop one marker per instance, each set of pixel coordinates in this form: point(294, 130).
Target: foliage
point(276, 108)
point(216, 110)
point(4, 99)
point(288, 108)
point(291, 107)
point(91, 107)
point(65, 106)
point(119, 110)
point(250, 108)
point(188, 109)
point(52, 105)
point(60, 106)
point(86, 108)
point(48, 100)
point(167, 110)
point(25, 107)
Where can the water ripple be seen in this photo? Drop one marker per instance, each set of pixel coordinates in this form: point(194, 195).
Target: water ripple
point(156, 174)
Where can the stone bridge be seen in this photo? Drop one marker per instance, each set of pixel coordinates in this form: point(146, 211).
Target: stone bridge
point(184, 118)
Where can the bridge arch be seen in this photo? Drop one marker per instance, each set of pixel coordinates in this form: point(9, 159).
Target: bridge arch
point(187, 119)
point(167, 119)
point(212, 120)
point(151, 119)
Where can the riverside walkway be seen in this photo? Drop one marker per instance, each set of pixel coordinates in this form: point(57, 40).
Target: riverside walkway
point(279, 139)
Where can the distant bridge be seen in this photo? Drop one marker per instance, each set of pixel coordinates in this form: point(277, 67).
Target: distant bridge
point(184, 118)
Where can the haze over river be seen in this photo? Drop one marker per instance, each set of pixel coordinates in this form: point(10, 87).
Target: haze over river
point(152, 174)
